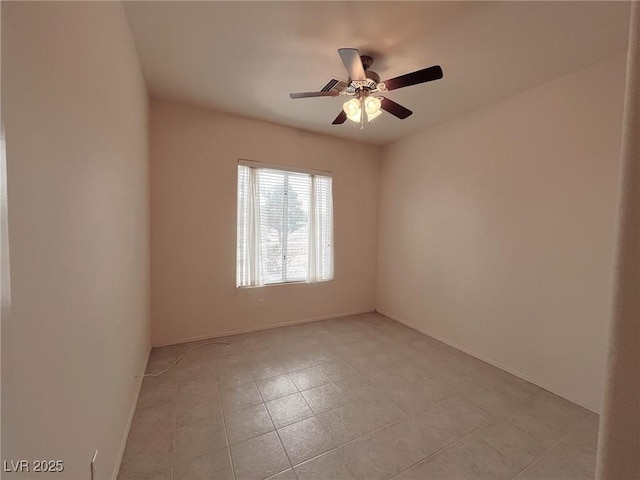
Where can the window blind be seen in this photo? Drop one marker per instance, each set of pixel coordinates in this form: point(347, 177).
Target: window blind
point(285, 227)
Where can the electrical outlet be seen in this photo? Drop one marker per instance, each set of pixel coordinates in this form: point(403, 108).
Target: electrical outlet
point(260, 302)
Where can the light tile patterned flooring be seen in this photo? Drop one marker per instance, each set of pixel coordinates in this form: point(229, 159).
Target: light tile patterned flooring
point(360, 397)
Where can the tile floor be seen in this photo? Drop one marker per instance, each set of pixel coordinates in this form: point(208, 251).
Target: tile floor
point(360, 397)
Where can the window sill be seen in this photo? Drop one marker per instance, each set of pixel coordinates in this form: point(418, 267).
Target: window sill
point(297, 282)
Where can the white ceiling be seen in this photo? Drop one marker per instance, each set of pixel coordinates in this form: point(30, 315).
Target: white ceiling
point(246, 57)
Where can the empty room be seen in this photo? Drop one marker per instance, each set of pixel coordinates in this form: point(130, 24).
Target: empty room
point(297, 240)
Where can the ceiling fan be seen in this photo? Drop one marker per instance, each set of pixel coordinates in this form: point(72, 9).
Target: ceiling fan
point(365, 86)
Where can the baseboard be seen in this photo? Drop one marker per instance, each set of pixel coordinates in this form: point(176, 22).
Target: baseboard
point(486, 360)
point(132, 411)
point(257, 329)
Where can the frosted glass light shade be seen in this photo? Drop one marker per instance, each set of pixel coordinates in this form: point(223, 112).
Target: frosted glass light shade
point(354, 111)
point(372, 105)
point(351, 107)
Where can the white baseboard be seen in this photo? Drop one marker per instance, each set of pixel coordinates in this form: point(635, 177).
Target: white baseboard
point(487, 360)
point(132, 411)
point(256, 329)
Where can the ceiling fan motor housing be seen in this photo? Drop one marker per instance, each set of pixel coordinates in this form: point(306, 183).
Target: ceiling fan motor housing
point(367, 86)
point(371, 75)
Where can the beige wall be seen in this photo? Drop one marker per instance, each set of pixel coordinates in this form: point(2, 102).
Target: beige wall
point(75, 111)
point(496, 230)
point(194, 154)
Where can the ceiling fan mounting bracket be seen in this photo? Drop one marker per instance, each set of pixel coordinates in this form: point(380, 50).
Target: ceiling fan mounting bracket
point(366, 61)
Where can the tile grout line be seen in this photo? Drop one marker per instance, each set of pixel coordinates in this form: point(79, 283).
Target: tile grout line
point(304, 399)
point(208, 452)
point(384, 427)
point(449, 445)
point(317, 386)
point(175, 422)
point(299, 392)
point(377, 393)
point(378, 389)
point(462, 395)
point(405, 417)
point(174, 414)
point(356, 374)
point(315, 415)
point(224, 424)
point(173, 434)
point(382, 392)
point(539, 457)
point(276, 430)
point(311, 388)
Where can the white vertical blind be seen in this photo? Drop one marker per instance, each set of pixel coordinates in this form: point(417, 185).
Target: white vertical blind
point(285, 227)
point(321, 238)
point(249, 265)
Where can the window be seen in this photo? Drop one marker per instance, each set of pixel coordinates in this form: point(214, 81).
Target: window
point(285, 226)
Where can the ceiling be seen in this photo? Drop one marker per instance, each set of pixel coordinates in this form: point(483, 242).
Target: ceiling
point(246, 57)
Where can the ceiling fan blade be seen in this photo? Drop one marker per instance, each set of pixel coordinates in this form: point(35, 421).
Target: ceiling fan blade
point(395, 108)
point(421, 76)
point(351, 59)
point(331, 93)
point(340, 118)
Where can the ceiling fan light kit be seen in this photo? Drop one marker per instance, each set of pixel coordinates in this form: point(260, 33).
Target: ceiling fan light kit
point(365, 86)
point(353, 108)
